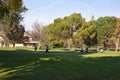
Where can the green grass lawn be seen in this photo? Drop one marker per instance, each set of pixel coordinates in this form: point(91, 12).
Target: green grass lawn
point(25, 64)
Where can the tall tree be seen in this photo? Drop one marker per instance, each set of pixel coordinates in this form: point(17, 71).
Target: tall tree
point(39, 33)
point(117, 34)
point(105, 28)
point(54, 31)
point(66, 33)
point(11, 17)
point(63, 29)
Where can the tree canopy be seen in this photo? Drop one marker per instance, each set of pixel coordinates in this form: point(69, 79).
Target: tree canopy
point(86, 34)
point(105, 28)
point(81, 32)
point(10, 18)
point(61, 31)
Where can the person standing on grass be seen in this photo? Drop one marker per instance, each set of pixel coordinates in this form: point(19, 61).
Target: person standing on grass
point(47, 49)
point(35, 47)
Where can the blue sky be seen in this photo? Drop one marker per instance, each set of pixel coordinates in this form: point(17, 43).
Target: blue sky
point(45, 11)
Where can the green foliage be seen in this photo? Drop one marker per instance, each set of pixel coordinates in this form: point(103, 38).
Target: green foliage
point(10, 19)
point(105, 28)
point(76, 20)
point(59, 31)
point(86, 34)
point(66, 30)
point(62, 29)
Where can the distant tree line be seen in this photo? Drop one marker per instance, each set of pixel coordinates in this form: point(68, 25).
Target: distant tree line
point(69, 31)
point(74, 30)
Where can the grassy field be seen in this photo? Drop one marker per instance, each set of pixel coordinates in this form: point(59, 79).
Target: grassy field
point(25, 64)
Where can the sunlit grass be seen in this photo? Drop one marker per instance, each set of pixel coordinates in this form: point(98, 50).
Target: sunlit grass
point(104, 54)
point(15, 48)
point(46, 59)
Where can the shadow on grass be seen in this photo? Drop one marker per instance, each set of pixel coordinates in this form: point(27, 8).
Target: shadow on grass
point(29, 65)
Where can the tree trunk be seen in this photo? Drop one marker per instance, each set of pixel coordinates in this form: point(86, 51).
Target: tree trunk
point(39, 45)
point(69, 43)
point(117, 44)
point(13, 45)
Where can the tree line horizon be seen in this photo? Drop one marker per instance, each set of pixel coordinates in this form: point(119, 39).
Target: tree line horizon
point(73, 30)
point(69, 31)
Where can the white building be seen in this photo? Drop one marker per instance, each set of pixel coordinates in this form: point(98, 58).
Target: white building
point(27, 42)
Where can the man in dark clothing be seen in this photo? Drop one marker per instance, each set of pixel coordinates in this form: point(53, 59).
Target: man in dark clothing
point(81, 50)
point(47, 49)
point(35, 47)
